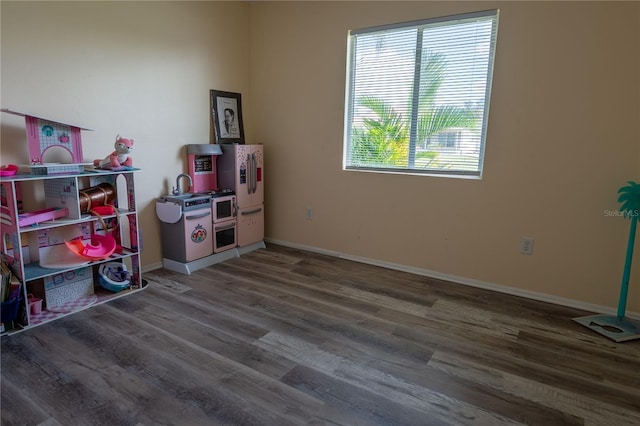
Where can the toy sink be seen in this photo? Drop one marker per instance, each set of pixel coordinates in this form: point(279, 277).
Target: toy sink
point(180, 196)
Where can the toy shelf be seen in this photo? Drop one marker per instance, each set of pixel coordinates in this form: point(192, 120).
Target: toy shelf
point(89, 171)
point(37, 253)
point(33, 270)
point(66, 221)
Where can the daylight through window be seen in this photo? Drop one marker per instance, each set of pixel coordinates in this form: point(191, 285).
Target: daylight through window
point(418, 95)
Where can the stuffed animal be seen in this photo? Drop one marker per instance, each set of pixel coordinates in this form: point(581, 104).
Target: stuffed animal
point(118, 158)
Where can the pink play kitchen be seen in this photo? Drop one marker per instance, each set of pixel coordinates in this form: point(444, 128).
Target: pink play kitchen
point(216, 211)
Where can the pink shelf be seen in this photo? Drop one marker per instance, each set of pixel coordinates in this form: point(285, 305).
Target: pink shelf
point(26, 219)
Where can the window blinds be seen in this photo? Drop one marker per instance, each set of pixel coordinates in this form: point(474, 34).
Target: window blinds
point(418, 95)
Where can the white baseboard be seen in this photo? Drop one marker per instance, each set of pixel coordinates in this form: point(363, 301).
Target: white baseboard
point(151, 267)
point(207, 261)
point(542, 297)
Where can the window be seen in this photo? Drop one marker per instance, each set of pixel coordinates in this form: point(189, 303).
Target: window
point(418, 95)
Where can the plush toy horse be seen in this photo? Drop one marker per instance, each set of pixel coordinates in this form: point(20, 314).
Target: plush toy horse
point(118, 158)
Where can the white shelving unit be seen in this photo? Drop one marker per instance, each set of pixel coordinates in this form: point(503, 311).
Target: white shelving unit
point(37, 255)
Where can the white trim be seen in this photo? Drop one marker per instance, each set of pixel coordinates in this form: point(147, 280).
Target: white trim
point(542, 297)
point(151, 267)
point(194, 265)
point(187, 268)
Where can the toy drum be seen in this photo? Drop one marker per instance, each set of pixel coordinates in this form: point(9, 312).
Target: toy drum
point(99, 195)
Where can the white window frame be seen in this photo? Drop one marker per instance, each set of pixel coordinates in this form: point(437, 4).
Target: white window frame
point(463, 165)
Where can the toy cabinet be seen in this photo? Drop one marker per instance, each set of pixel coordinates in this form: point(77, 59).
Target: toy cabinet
point(41, 214)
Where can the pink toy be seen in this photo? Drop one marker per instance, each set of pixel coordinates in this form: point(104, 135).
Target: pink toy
point(100, 247)
point(118, 158)
point(8, 170)
point(29, 218)
point(35, 304)
point(43, 134)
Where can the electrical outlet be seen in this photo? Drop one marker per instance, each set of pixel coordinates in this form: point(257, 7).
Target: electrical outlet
point(309, 213)
point(526, 245)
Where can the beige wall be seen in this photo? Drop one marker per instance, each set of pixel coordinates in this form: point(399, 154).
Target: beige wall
point(563, 136)
point(139, 69)
point(563, 127)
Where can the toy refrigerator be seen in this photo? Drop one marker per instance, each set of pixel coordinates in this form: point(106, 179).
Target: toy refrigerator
point(240, 167)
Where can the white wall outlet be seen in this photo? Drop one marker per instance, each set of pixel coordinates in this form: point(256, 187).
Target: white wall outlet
point(526, 245)
point(309, 213)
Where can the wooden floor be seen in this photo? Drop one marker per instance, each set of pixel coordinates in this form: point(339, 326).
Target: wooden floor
point(283, 337)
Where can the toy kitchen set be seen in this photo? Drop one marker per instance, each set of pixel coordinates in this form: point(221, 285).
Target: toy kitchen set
point(216, 211)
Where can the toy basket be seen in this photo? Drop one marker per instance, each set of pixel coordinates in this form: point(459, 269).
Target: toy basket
point(9, 310)
point(68, 286)
point(113, 276)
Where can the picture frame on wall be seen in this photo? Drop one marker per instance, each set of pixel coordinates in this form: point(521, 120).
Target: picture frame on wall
point(226, 108)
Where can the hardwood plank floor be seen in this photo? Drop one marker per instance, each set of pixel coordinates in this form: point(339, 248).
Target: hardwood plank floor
point(286, 337)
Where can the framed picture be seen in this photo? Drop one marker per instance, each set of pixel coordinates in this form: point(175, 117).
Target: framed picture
point(226, 108)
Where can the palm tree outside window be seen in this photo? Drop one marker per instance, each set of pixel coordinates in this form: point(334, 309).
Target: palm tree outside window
point(418, 95)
